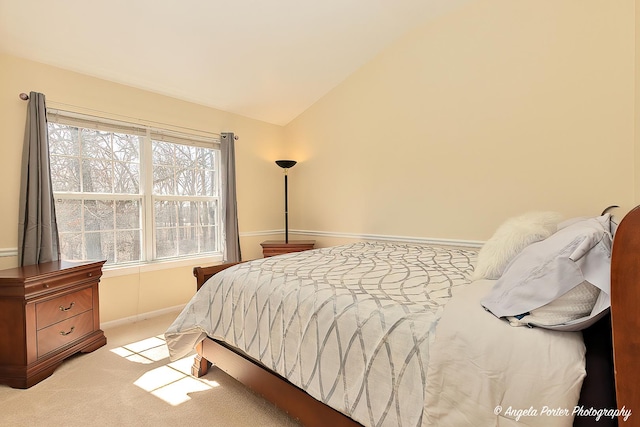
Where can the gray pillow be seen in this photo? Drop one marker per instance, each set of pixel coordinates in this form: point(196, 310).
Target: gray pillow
point(547, 272)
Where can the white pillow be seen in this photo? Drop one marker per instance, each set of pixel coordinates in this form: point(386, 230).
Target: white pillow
point(510, 239)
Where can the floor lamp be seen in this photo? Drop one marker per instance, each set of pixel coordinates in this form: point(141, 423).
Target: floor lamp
point(286, 165)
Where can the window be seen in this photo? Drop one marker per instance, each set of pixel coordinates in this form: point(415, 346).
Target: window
point(129, 193)
point(185, 204)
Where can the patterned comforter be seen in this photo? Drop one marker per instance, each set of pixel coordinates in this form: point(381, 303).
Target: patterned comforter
point(351, 325)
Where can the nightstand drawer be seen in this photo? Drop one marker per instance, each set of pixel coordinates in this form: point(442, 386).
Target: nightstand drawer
point(54, 283)
point(276, 247)
point(65, 332)
point(63, 307)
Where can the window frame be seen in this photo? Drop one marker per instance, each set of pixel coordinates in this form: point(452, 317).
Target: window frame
point(145, 195)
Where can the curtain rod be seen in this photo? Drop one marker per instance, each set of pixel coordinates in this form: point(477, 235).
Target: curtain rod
point(25, 97)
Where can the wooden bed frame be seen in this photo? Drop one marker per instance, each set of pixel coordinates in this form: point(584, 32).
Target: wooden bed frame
point(625, 330)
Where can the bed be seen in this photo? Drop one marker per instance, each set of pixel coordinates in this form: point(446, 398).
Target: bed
point(395, 354)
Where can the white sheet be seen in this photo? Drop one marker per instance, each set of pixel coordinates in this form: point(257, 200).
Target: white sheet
point(480, 364)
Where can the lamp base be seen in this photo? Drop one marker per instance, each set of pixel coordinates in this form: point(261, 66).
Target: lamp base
point(279, 247)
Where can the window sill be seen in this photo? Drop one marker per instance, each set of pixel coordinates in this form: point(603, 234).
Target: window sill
point(126, 270)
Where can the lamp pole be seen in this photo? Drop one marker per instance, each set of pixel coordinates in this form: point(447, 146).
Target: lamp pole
point(286, 207)
point(286, 165)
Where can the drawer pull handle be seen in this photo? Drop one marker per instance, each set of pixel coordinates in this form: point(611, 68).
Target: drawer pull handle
point(67, 333)
point(45, 285)
point(67, 308)
point(90, 274)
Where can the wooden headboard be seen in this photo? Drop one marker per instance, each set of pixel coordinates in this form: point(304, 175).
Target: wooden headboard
point(202, 274)
point(625, 313)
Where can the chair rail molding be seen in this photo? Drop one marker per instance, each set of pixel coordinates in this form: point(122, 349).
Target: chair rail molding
point(7, 252)
point(372, 237)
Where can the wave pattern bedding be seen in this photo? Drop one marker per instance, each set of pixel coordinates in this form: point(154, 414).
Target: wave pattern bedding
point(364, 329)
point(351, 325)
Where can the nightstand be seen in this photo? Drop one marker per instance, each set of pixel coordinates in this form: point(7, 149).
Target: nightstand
point(279, 247)
point(48, 312)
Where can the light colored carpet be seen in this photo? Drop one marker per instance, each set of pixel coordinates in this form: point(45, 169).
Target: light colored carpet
point(130, 382)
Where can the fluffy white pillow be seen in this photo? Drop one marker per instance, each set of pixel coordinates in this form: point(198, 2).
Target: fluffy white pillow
point(510, 239)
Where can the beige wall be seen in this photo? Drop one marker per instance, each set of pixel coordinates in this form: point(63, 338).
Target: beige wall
point(499, 108)
point(258, 179)
point(496, 109)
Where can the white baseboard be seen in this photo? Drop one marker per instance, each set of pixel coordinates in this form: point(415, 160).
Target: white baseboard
point(138, 317)
point(5, 252)
point(379, 237)
point(391, 238)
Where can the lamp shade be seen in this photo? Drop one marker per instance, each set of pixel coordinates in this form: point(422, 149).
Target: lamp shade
point(286, 164)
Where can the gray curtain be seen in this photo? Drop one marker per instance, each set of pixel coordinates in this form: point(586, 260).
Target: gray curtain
point(231, 236)
point(37, 229)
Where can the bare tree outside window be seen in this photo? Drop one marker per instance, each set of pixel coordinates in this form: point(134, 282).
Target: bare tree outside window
point(100, 195)
point(184, 183)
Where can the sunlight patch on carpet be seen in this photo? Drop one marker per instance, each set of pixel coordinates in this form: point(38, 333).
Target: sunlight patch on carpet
point(146, 351)
point(178, 392)
point(172, 382)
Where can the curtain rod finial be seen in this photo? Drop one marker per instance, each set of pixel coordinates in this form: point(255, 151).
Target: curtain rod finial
point(24, 96)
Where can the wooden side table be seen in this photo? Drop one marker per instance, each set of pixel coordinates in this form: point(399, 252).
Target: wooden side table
point(279, 247)
point(48, 312)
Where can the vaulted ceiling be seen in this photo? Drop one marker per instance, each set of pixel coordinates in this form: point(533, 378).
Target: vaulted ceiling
point(265, 59)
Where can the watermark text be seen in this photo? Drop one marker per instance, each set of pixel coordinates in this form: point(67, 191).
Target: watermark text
point(576, 411)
